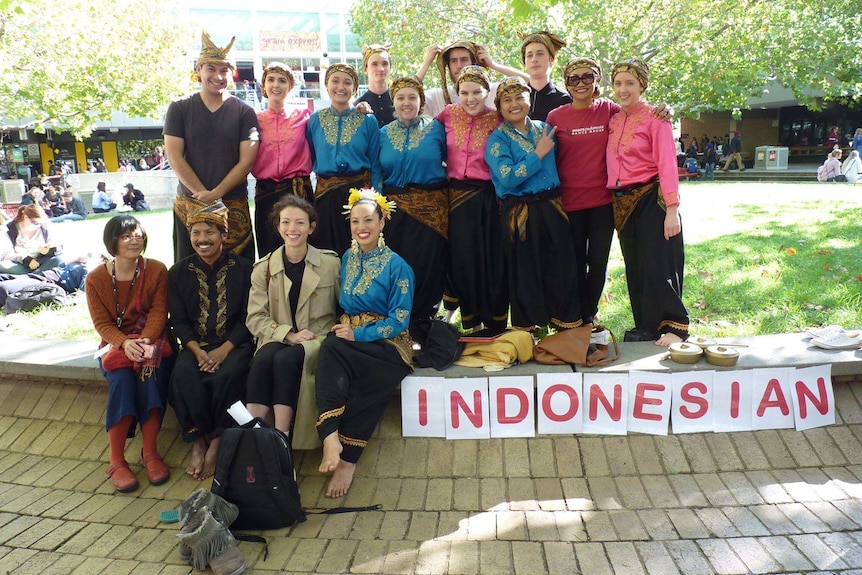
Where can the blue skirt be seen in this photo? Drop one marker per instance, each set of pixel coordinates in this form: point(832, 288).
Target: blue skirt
point(128, 395)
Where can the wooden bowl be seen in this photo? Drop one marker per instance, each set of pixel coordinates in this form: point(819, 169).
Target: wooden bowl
point(721, 355)
point(684, 352)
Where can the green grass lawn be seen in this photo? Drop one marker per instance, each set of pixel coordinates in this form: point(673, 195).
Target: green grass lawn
point(760, 258)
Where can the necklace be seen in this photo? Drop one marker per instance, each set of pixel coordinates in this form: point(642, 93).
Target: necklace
point(122, 313)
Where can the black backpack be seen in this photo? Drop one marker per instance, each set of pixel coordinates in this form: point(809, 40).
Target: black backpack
point(255, 472)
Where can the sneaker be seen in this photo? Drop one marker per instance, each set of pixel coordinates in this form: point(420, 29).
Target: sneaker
point(829, 330)
point(838, 340)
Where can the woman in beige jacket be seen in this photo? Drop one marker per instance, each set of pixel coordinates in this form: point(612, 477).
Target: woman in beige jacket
point(291, 308)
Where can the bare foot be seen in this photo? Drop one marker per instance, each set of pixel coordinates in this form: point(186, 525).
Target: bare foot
point(331, 453)
point(210, 459)
point(341, 480)
point(668, 338)
point(196, 464)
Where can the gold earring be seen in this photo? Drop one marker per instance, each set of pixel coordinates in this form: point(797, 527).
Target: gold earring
point(380, 242)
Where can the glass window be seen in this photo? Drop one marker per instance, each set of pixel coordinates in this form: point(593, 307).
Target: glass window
point(223, 24)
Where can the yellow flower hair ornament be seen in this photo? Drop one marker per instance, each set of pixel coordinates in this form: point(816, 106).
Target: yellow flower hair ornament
point(356, 195)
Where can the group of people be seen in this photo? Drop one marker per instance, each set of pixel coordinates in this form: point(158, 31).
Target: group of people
point(506, 199)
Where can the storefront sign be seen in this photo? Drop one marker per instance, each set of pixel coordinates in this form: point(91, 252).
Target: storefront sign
point(272, 41)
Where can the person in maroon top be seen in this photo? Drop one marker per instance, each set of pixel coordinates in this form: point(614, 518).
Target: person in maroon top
point(582, 139)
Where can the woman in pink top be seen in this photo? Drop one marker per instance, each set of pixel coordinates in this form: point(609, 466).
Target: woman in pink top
point(477, 270)
point(283, 163)
point(642, 173)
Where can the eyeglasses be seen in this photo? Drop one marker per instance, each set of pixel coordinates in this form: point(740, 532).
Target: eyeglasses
point(131, 237)
point(587, 79)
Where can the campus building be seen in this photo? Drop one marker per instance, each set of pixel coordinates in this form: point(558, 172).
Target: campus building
point(306, 36)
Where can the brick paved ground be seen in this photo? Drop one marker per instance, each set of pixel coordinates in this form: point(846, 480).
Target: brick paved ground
point(754, 502)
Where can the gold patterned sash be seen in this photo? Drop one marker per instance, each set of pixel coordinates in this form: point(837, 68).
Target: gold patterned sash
point(402, 341)
point(238, 218)
point(519, 211)
point(326, 184)
point(462, 190)
point(626, 199)
point(431, 207)
point(299, 186)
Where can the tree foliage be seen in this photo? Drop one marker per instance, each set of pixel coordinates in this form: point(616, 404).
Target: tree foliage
point(703, 55)
point(70, 63)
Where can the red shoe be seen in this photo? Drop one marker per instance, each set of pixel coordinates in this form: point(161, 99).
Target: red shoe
point(122, 477)
point(157, 471)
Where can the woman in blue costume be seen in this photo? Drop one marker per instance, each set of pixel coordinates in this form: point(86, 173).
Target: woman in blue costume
point(369, 352)
point(412, 152)
point(345, 145)
point(543, 285)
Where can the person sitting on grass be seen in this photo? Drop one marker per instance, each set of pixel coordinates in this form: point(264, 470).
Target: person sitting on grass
point(207, 302)
point(102, 202)
point(75, 209)
point(28, 244)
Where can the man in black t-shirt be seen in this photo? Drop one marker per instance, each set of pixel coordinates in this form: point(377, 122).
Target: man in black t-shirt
point(211, 143)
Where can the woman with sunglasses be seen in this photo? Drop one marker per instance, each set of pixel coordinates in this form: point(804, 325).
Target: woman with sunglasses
point(582, 138)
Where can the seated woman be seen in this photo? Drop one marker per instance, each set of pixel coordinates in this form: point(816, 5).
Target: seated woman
point(102, 202)
point(368, 354)
point(134, 198)
point(53, 202)
point(291, 308)
point(543, 285)
point(127, 298)
point(28, 244)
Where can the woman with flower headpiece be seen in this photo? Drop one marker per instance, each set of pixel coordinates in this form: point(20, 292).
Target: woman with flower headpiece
point(643, 175)
point(283, 163)
point(377, 65)
point(345, 150)
point(538, 51)
point(543, 287)
point(369, 352)
point(582, 138)
point(412, 152)
point(476, 263)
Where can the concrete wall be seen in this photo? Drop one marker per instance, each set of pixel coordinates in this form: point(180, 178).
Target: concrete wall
point(758, 128)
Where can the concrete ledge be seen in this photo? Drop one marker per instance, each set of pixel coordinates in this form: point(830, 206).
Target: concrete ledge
point(73, 361)
point(777, 350)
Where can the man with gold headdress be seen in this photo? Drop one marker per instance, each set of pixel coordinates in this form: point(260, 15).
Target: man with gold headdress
point(452, 58)
point(377, 64)
point(207, 303)
point(538, 52)
point(211, 143)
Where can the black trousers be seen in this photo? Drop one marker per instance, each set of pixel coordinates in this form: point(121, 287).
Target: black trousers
point(654, 269)
point(275, 374)
point(592, 232)
point(477, 261)
point(266, 194)
point(543, 285)
point(201, 399)
point(355, 381)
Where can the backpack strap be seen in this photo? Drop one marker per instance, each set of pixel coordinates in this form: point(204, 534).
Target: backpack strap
point(336, 510)
point(226, 452)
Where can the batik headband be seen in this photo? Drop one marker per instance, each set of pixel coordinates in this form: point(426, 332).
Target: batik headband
point(215, 213)
point(443, 63)
point(371, 49)
point(510, 85)
point(349, 70)
point(551, 41)
point(407, 82)
point(277, 68)
point(212, 54)
point(475, 74)
point(635, 67)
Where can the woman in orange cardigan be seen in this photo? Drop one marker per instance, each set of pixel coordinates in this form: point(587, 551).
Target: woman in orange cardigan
point(127, 298)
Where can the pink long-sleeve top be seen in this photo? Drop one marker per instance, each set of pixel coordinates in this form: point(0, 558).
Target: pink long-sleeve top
point(284, 151)
point(640, 148)
point(466, 138)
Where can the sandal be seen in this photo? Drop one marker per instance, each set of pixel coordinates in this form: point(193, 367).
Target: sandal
point(157, 471)
point(838, 340)
point(122, 477)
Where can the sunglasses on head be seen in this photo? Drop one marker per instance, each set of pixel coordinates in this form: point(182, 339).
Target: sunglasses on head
point(587, 79)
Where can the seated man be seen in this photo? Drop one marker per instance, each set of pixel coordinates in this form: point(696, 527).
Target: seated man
point(75, 209)
point(207, 303)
